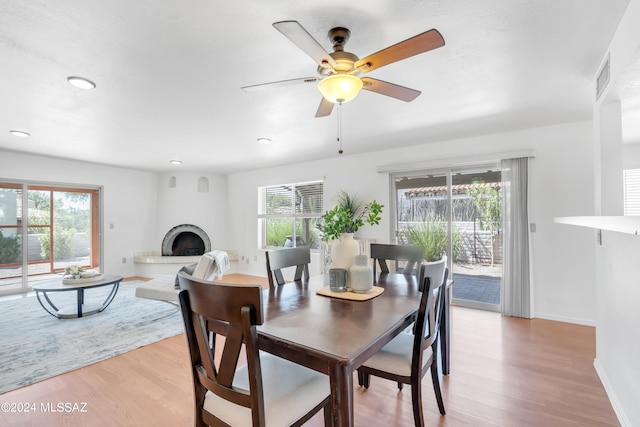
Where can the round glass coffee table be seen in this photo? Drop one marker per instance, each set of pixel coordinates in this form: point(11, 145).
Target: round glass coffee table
point(79, 309)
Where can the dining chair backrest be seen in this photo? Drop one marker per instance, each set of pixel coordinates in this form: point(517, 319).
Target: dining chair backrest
point(277, 259)
point(434, 277)
point(236, 309)
point(413, 255)
point(432, 269)
point(426, 331)
point(220, 321)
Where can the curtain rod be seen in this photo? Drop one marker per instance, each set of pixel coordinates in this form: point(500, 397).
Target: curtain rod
point(455, 161)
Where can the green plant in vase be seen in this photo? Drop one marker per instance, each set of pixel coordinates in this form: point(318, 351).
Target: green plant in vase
point(341, 222)
point(348, 216)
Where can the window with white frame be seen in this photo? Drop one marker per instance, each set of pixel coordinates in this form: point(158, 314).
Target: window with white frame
point(631, 191)
point(287, 214)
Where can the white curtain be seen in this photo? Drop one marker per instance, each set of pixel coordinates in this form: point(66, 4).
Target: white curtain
point(516, 281)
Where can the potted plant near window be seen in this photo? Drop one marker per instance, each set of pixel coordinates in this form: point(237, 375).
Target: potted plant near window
point(341, 222)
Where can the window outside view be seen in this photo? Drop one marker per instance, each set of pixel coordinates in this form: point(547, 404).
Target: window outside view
point(288, 214)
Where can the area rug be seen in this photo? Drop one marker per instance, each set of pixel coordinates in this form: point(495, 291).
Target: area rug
point(35, 345)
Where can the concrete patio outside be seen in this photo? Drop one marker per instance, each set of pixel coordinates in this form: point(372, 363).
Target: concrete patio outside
point(477, 283)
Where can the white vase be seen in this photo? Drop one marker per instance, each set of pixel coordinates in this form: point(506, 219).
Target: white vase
point(361, 275)
point(343, 251)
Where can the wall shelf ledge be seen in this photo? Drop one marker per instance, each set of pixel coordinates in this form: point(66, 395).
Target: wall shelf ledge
point(620, 224)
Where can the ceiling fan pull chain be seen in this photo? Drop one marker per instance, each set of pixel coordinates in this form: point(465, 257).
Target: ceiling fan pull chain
point(340, 126)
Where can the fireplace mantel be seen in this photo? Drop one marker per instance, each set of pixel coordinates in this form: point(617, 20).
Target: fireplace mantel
point(156, 257)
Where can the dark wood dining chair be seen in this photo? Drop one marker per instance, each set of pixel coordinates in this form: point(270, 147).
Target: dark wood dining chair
point(408, 357)
point(413, 255)
point(277, 259)
point(264, 391)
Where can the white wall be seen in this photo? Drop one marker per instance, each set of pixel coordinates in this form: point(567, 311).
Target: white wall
point(610, 142)
point(184, 204)
point(561, 185)
point(617, 268)
point(631, 156)
point(130, 200)
point(617, 331)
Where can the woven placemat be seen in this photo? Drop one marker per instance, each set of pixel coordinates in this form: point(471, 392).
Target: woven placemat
point(353, 296)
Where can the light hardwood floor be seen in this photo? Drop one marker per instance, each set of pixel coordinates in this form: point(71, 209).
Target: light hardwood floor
point(505, 372)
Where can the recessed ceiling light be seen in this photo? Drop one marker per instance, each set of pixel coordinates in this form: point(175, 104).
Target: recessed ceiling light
point(175, 162)
point(20, 133)
point(81, 82)
point(264, 140)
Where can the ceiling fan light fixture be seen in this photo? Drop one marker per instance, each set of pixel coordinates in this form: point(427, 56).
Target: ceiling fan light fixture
point(340, 87)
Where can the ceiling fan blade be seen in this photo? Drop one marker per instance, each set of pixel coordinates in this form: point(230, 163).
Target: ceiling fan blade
point(305, 41)
point(272, 85)
point(421, 43)
point(390, 89)
point(325, 108)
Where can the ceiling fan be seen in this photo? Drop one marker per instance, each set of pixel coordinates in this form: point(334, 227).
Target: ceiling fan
point(338, 71)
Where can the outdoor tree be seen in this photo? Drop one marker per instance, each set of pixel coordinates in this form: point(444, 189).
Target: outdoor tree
point(489, 205)
point(70, 216)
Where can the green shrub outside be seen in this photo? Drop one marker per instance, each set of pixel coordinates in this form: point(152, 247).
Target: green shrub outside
point(279, 229)
point(432, 237)
point(63, 240)
point(10, 249)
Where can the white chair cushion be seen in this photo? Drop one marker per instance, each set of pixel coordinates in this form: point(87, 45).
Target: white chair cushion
point(395, 357)
point(290, 391)
point(161, 288)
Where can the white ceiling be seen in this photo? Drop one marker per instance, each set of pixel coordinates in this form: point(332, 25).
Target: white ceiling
point(169, 73)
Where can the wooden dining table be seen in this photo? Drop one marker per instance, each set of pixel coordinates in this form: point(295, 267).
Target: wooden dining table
point(336, 336)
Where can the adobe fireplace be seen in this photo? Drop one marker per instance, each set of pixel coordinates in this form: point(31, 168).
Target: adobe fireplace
point(184, 244)
point(185, 240)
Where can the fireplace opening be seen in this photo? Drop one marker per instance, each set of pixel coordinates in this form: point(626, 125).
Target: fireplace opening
point(187, 244)
point(185, 240)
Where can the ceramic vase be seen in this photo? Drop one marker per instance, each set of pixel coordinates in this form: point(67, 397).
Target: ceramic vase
point(361, 275)
point(343, 251)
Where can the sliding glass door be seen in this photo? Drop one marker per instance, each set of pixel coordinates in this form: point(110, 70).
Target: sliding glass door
point(11, 236)
point(457, 212)
point(61, 226)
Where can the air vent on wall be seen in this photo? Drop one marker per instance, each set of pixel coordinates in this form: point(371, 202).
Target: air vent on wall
point(603, 78)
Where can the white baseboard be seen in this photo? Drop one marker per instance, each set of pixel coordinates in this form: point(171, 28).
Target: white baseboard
point(617, 408)
point(585, 322)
